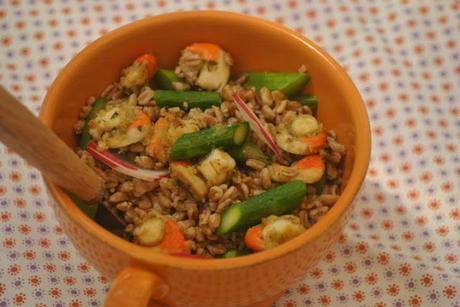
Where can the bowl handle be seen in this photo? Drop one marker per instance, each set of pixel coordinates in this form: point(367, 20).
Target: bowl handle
point(135, 287)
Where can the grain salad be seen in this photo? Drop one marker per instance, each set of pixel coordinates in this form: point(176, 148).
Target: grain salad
point(201, 164)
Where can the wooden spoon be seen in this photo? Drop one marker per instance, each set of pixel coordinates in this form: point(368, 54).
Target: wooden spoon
point(21, 131)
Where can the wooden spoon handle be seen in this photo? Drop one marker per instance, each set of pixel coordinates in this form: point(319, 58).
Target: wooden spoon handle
point(40, 146)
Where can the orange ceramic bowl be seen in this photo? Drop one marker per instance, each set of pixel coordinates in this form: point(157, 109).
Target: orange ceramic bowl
point(256, 45)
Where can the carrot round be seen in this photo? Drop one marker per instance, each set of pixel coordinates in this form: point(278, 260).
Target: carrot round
point(210, 52)
point(316, 142)
point(173, 240)
point(313, 161)
point(253, 238)
point(151, 62)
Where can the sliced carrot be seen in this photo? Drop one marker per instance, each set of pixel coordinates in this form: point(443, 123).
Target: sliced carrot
point(151, 62)
point(313, 161)
point(316, 142)
point(141, 120)
point(173, 240)
point(253, 238)
point(209, 52)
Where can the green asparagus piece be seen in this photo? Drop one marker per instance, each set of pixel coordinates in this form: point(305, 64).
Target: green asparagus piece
point(308, 100)
point(277, 201)
point(164, 78)
point(186, 100)
point(191, 145)
point(232, 253)
point(288, 83)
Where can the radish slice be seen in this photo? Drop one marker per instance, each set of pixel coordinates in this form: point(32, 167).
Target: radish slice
point(124, 167)
point(257, 127)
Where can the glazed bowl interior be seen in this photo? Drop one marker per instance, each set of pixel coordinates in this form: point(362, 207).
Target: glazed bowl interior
point(255, 45)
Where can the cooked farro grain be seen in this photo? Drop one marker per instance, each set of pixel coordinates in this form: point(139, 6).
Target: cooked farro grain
point(118, 197)
point(265, 177)
point(144, 162)
point(255, 164)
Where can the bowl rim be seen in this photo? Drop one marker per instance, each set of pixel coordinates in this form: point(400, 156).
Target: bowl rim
point(146, 256)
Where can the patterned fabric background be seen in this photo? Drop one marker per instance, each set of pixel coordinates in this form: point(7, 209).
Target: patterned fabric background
point(401, 248)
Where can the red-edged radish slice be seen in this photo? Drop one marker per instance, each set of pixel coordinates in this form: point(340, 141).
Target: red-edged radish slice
point(257, 127)
point(124, 167)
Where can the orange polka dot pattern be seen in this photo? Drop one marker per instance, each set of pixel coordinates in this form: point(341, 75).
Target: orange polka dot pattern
point(401, 245)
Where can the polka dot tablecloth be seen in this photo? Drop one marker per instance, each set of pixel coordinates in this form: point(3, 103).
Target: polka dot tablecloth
point(401, 247)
